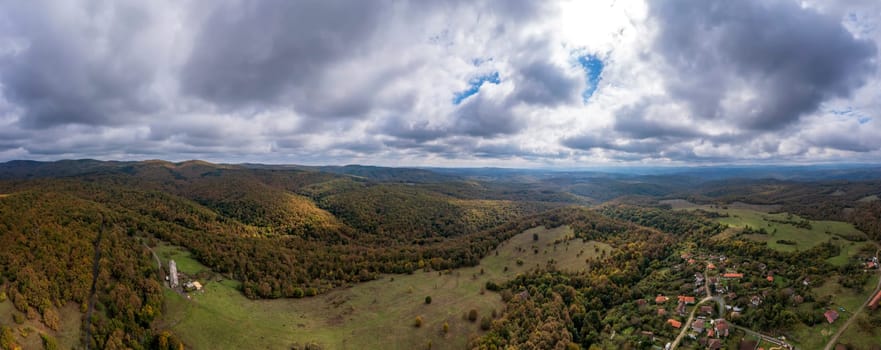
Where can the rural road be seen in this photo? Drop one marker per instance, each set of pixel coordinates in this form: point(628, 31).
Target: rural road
point(850, 320)
point(687, 324)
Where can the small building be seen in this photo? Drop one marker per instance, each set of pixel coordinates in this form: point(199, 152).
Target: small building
point(755, 300)
point(711, 266)
point(721, 327)
point(674, 323)
point(732, 275)
point(172, 273)
point(698, 326)
point(686, 299)
point(706, 309)
point(831, 315)
point(714, 344)
point(875, 300)
point(660, 299)
point(662, 312)
point(680, 309)
point(770, 278)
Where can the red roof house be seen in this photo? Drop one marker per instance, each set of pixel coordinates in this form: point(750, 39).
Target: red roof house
point(831, 315)
point(732, 275)
point(660, 299)
point(674, 323)
point(685, 299)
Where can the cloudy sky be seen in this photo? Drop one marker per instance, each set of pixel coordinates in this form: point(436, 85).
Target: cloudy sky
point(454, 83)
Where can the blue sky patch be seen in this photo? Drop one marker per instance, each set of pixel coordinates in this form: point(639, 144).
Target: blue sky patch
point(474, 85)
point(593, 69)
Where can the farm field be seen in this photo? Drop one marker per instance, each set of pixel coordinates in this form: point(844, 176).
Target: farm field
point(376, 314)
point(817, 336)
point(67, 337)
point(780, 228)
point(859, 336)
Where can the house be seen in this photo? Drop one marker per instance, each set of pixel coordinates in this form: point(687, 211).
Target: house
point(698, 326)
point(698, 278)
point(662, 312)
point(711, 266)
point(660, 299)
point(710, 332)
point(874, 303)
point(685, 299)
point(831, 315)
point(674, 323)
point(706, 309)
point(732, 275)
point(691, 261)
point(721, 327)
point(870, 265)
point(680, 309)
point(770, 278)
point(755, 300)
point(714, 344)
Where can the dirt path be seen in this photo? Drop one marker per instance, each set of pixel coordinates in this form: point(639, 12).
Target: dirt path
point(96, 265)
point(158, 265)
point(687, 324)
point(850, 320)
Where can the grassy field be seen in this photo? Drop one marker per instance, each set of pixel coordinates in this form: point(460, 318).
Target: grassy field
point(741, 215)
point(861, 337)
point(376, 314)
point(817, 336)
point(67, 337)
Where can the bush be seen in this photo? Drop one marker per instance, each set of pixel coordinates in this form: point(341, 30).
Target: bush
point(417, 322)
point(490, 285)
point(472, 315)
point(485, 323)
point(49, 342)
point(428, 300)
point(446, 327)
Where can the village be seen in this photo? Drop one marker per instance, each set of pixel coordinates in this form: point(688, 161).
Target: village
point(715, 291)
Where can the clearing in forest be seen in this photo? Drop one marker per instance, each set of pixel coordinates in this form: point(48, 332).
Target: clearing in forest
point(370, 315)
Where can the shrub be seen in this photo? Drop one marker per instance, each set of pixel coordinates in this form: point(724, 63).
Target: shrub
point(417, 322)
point(428, 299)
point(446, 327)
point(490, 285)
point(49, 342)
point(485, 323)
point(472, 315)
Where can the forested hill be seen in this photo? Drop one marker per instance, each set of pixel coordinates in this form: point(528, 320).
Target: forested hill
point(281, 232)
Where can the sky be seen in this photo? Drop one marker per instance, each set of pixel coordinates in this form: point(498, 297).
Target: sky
point(508, 83)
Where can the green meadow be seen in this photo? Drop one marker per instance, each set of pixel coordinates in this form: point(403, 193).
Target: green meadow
point(780, 228)
point(375, 314)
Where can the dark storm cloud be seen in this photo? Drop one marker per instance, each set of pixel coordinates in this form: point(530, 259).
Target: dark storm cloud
point(259, 52)
point(69, 71)
point(632, 121)
point(791, 58)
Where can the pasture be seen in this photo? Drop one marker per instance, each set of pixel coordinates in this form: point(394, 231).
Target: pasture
point(783, 232)
point(375, 314)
